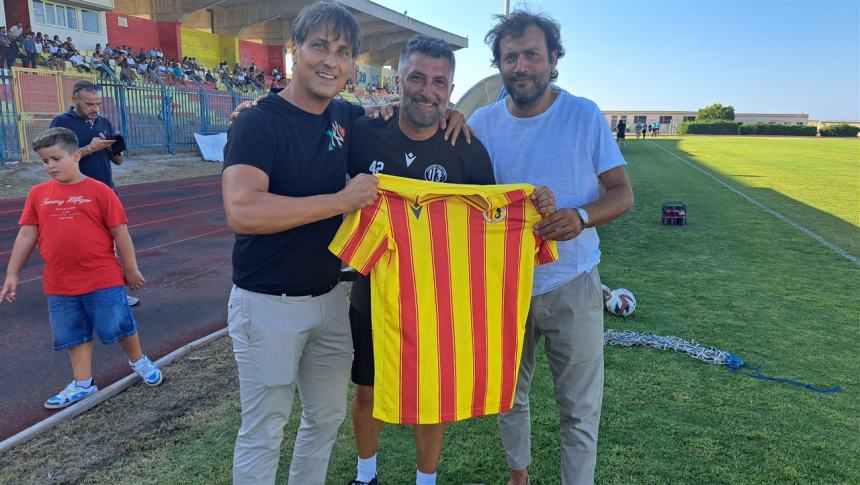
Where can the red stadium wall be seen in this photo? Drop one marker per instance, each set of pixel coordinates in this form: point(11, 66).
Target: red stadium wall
point(252, 52)
point(17, 11)
point(140, 33)
point(146, 34)
point(276, 57)
point(170, 39)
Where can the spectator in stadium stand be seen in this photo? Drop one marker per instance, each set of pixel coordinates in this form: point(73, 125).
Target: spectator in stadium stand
point(39, 43)
point(5, 42)
point(176, 73)
point(78, 62)
point(28, 46)
point(127, 74)
point(16, 30)
point(129, 61)
point(108, 49)
point(44, 58)
point(70, 45)
point(209, 78)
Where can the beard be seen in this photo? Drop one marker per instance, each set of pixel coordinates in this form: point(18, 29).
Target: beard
point(419, 117)
point(524, 97)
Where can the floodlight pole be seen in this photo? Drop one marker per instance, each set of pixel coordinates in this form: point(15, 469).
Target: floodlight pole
point(507, 7)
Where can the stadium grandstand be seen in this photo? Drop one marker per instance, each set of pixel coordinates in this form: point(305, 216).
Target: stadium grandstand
point(171, 68)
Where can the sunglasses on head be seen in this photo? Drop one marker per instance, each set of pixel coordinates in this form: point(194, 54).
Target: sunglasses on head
point(86, 87)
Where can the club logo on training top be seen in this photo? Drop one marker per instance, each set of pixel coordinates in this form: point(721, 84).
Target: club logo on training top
point(336, 135)
point(495, 216)
point(435, 173)
point(409, 157)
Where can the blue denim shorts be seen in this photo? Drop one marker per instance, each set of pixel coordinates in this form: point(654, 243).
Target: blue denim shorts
point(74, 317)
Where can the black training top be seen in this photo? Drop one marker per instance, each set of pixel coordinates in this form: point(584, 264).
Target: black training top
point(381, 147)
point(98, 164)
point(303, 154)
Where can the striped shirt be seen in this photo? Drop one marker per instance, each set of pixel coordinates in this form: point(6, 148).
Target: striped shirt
point(451, 270)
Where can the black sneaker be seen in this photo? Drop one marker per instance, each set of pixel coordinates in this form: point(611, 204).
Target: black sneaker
point(374, 481)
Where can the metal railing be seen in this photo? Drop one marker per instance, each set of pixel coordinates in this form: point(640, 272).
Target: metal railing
point(153, 116)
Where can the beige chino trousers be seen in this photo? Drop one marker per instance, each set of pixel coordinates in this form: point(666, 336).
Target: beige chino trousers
point(570, 318)
point(282, 343)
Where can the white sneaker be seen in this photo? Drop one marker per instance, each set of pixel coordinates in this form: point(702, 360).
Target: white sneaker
point(147, 370)
point(70, 395)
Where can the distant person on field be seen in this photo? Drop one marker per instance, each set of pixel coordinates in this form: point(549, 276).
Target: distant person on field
point(76, 221)
point(621, 132)
point(644, 129)
point(94, 133)
point(656, 129)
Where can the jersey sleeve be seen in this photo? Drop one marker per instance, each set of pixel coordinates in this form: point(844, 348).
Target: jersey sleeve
point(363, 237)
point(545, 251)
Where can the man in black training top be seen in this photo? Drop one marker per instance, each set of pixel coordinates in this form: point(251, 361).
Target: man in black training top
point(410, 145)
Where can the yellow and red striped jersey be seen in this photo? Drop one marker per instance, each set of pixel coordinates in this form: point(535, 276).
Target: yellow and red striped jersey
point(451, 270)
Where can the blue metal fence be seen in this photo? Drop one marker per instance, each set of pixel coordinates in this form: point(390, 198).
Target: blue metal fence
point(10, 143)
point(154, 117)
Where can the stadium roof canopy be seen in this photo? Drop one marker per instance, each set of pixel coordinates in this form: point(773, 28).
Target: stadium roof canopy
point(270, 21)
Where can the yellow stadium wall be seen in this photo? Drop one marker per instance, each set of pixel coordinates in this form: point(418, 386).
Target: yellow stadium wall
point(209, 49)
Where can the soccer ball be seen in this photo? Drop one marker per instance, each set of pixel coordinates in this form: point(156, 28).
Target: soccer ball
point(607, 293)
point(621, 302)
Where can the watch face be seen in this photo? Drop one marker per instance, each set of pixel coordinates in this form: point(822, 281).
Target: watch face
point(582, 215)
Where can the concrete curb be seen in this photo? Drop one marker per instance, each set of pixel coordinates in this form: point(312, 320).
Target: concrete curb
point(102, 396)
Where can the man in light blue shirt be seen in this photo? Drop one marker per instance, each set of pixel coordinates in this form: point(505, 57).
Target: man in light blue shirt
point(544, 136)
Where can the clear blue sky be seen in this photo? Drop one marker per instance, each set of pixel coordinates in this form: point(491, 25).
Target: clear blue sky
point(760, 56)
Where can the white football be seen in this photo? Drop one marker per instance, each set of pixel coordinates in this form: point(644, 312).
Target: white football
point(621, 302)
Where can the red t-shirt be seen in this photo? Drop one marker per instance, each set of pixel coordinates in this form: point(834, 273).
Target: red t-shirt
point(74, 236)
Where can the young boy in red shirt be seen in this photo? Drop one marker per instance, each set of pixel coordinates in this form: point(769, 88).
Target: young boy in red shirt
point(76, 221)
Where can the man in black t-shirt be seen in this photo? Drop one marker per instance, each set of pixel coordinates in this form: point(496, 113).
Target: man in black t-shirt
point(284, 192)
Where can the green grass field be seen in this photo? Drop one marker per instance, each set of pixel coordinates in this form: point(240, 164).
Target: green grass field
point(735, 278)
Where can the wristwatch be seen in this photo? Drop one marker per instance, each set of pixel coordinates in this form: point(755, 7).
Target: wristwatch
point(583, 215)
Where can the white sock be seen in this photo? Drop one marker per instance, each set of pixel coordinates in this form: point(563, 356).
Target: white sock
point(425, 478)
point(366, 469)
point(86, 383)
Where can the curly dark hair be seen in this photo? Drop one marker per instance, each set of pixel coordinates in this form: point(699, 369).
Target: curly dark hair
point(515, 24)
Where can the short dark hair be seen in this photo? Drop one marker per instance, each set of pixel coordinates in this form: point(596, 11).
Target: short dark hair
point(333, 17)
point(515, 24)
point(431, 46)
point(85, 86)
point(61, 137)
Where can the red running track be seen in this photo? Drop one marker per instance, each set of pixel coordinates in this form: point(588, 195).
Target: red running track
point(183, 249)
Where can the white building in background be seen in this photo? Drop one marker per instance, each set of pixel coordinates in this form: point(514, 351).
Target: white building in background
point(669, 120)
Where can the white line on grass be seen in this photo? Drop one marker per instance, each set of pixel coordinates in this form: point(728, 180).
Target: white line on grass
point(829, 245)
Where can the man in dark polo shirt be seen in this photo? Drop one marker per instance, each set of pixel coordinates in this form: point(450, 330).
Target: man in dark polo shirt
point(93, 132)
